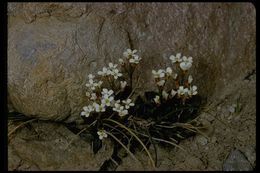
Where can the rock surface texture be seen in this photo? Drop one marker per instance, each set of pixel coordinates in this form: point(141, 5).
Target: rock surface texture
point(237, 162)
point(48, 146)
point(52, 47)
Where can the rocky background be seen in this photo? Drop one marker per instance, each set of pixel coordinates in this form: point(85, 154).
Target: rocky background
point(52, 47)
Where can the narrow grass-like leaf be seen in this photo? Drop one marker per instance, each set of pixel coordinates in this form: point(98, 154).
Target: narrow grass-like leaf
point(116, 130)
point(20, 125)
point(138, 139)
point(75, 139)
point(155, 148)
point(162, 140)
point(132, 155)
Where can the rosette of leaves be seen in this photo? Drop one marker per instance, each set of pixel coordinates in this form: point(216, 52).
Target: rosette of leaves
point(166, 114)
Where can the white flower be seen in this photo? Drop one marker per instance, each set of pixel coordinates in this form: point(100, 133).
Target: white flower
point(88, 94)
point(157, 99)
point(161, 83)
point(173, 92)
point(168, 71)
point(104, 72)
point(122, 112)
point(107, 101)
point(90, 108)
point(135, 59)
point(128, 103)
point(165, 95)
point(181, 90)
point(121, 61)
point(158, 74)
point(112, 66)
point(129, 53)
point(91, 76)
point(118, 101)
point(186, 91)
point(117, 106)
point(102, 134)
point(193, 90)
point(86, 114)
point(190, 79)
point(99, 83)
point(92, 85)
point(87, 110)
point(188, 60)
point(116, 73)
point(99, 107)
point(93, 96)
point(106, 92)
point(176, 58)
point(123, 84)
point(175, 76)
point(120, 109)
point(111, 70)
point(186, 64)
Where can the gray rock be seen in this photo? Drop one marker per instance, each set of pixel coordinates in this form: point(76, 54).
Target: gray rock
point(53, 46)
point(250, 153)
point(236, 161)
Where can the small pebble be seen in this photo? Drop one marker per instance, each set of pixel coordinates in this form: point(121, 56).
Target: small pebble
point(231, 109)
point(202, 140)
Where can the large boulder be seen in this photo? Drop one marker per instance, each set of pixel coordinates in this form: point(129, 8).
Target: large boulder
point(53, 46)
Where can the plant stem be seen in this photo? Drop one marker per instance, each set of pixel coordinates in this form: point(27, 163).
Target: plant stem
point(131, 154)
point(131, 76)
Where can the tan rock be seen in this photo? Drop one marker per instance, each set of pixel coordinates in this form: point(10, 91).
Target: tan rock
point(47, 148)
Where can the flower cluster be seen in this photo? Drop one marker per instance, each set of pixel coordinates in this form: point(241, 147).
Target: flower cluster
point(122, 107)
point(107, 100)
point(92, 85)
point(165, 96)
point(100, 102)
point(110, 70)
point(112, 112)
point(103, 90)
point(102, 134)
point(101, 97)
point(131, 56)
point(184, 62)
point(187, 91)
point(183, 88)
point(162, 75)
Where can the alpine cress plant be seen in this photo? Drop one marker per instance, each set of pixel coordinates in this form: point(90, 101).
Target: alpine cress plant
point(113, 112)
